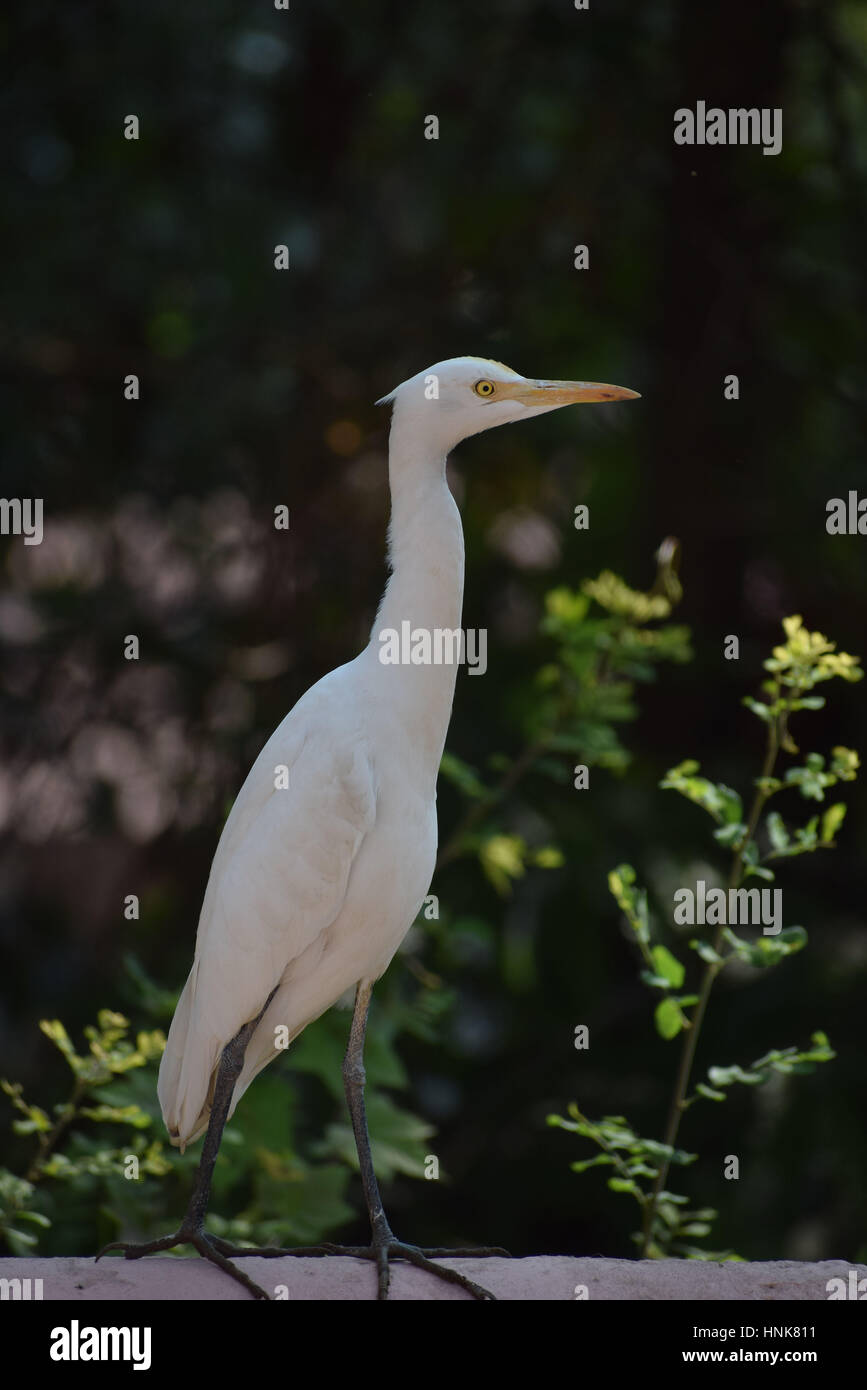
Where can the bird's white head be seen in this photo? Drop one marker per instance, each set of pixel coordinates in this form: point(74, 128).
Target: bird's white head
point(454, 399)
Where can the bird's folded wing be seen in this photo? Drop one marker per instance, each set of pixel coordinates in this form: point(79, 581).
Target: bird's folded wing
point(278, 880)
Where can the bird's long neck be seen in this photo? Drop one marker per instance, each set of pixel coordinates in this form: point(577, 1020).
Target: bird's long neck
point(424, 593)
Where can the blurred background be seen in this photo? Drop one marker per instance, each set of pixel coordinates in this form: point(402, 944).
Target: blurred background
point(156, 257)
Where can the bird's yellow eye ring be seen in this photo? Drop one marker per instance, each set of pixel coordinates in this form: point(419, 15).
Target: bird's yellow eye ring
point(484, 388)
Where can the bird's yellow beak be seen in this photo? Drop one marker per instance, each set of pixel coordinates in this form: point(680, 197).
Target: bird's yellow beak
point(552, 393)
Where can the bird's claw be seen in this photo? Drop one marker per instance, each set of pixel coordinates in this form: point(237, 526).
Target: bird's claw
point(207, 1246)
point(268, 1252)
point(135, 1252)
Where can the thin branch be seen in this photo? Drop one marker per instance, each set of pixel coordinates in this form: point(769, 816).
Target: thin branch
point(776, 729)
point(48, 1142)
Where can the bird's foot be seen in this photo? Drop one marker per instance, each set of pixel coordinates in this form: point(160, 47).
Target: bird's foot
point(385, 1247)
point(209, 1247)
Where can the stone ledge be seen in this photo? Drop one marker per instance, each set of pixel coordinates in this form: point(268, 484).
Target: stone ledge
point(339, 1278)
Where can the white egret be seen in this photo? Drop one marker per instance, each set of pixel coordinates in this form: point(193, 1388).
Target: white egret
point(319, 874)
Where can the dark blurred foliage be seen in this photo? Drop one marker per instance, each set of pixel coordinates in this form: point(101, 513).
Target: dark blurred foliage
point(155, 257)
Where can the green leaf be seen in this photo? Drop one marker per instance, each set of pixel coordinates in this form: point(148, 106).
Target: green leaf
point(767, 784)
point(36, 1218)
point(621, 876)
point(707, 952)
point(582, 1165)
point(462, 776)
point(668, 966)
point(844, 763)
point(21, 1243)
point(831, 821)
point(669, 1214)
point(699, 790)
point(565, 608)
point(117, 1114)
point(668, 1019)
point(765, 951)
point(758, 871)
point(624, 1185)
point(727, 1076)
point(757, 708)
point(632, 901)
point(548, 857)
point(730, 834)
point(779, 836)
point(54, 1029)
point(709, 1093)
point(502, 858)
point(730, 804)
point(793, 938)
point(654, 981)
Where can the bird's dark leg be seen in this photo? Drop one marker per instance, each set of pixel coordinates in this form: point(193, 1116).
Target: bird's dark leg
point(385, 1246)
point(191, 1230)
point(354, 1077)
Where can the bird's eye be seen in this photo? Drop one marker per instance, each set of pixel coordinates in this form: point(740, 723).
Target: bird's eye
point(484, 388)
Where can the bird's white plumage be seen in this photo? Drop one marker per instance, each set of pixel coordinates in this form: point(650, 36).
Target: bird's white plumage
point(299, 893)
point(314, 885)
